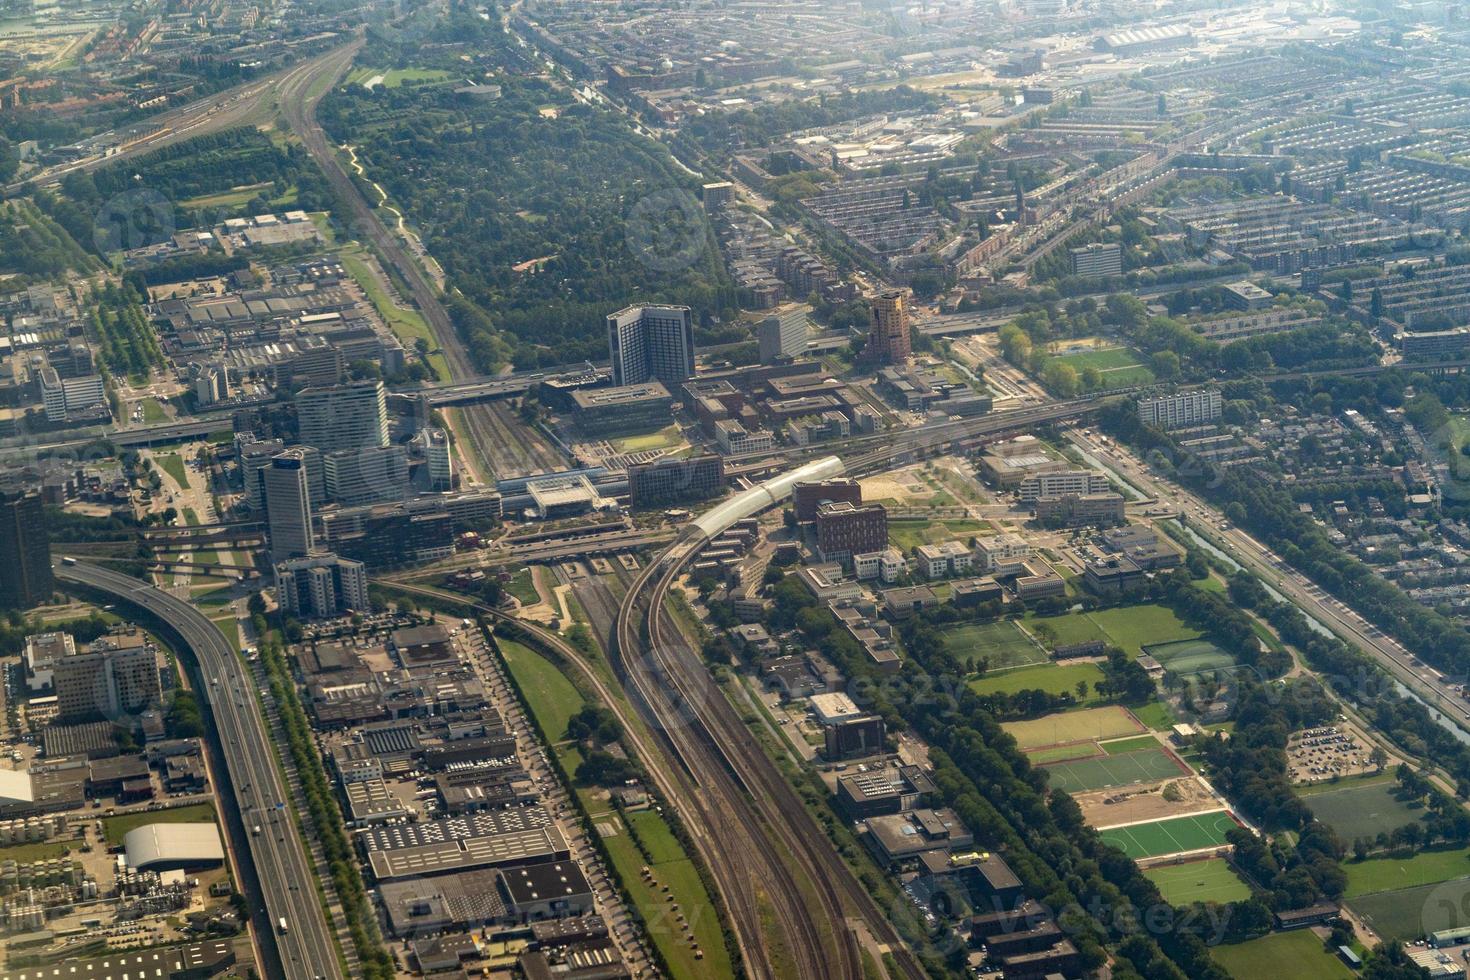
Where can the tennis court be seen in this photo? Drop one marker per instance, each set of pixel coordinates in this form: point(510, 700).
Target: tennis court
point(1074, 726)
point(1176, 835)
point(1187, 658)
point(1210, 880)
point(1002, 643)
point(1107, 771)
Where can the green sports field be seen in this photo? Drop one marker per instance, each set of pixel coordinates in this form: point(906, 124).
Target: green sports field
point(1411, 912)
point(1210, 880)
point(1298, 955)
point(1362, 811)
point(1002, 643)
point(1063, 753)
point(1173, 836)
point(1051, 678)
point(1127, 627)
point(1108, 771)
point(1119, 366)
point(1425, 868)
point(1190, 658)
point(1074, 726)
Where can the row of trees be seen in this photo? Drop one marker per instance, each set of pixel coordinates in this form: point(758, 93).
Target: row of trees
point(128, 342)
point(374, 962)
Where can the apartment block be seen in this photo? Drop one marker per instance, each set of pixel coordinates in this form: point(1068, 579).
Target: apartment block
point(1182, 410)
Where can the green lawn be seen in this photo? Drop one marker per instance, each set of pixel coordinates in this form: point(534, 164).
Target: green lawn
point(1424, 868)
point(523, 587)
point(1298, 955)
point(1125, 745)
point(656, 907)
point(668, 437)
point(1052, 678)
point(1210, 880)
point(906, 535)
point(655, 836)
point(1150, 765)
point(230, 627)
point(1001, 643)
point(1156, 715)
point(36, 851)
point(1362, 811)
point(115, 828)
point(171, 464)
point(153, 411)
point(551, 697)
point(1073, 726)
point(408, 325)
point(1409, 913)
point(1119, 366)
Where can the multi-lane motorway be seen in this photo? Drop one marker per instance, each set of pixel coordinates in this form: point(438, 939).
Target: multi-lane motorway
point(260, 824)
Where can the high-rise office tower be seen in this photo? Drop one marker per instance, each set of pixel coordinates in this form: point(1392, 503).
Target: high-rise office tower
point(25, 549)
point(107, 681)
point(888, 337)
point(647, 342)
point(288, 506)
point(440, 457)
point(350, 416)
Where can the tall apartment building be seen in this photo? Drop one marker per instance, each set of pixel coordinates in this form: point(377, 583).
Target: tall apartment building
point(372, 475)
point(288, 506)
point(782, 337)
point(255, 458)
point(25, 550)
point(1062, 482)
point(350, 416)
point(1182, 410)
point(888, 336)
point(670, 481)
point(107, 682)
point(806, 497)
point(438, 456)
point(322, 586)
point(1098, 260)
point(651, 342)
point(844, 530)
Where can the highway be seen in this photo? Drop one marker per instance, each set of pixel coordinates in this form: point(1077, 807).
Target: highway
point(272, 861)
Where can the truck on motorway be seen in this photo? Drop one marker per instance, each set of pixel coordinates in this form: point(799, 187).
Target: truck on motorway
point(281, 925)
point(68, 560)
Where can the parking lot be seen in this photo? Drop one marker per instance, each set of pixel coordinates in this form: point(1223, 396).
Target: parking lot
point(1321, 754)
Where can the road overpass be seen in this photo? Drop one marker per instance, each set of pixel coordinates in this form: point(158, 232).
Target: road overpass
point(272, 861)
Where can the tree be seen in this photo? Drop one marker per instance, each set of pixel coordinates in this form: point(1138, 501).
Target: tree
point(1166, 364)
point(1061, 379)
point(1081, 690)
point(1379, 758)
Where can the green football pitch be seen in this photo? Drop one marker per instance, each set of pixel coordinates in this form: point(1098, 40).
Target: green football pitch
point(1176, 835)
point(1210, 880)
point(1105, 772)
